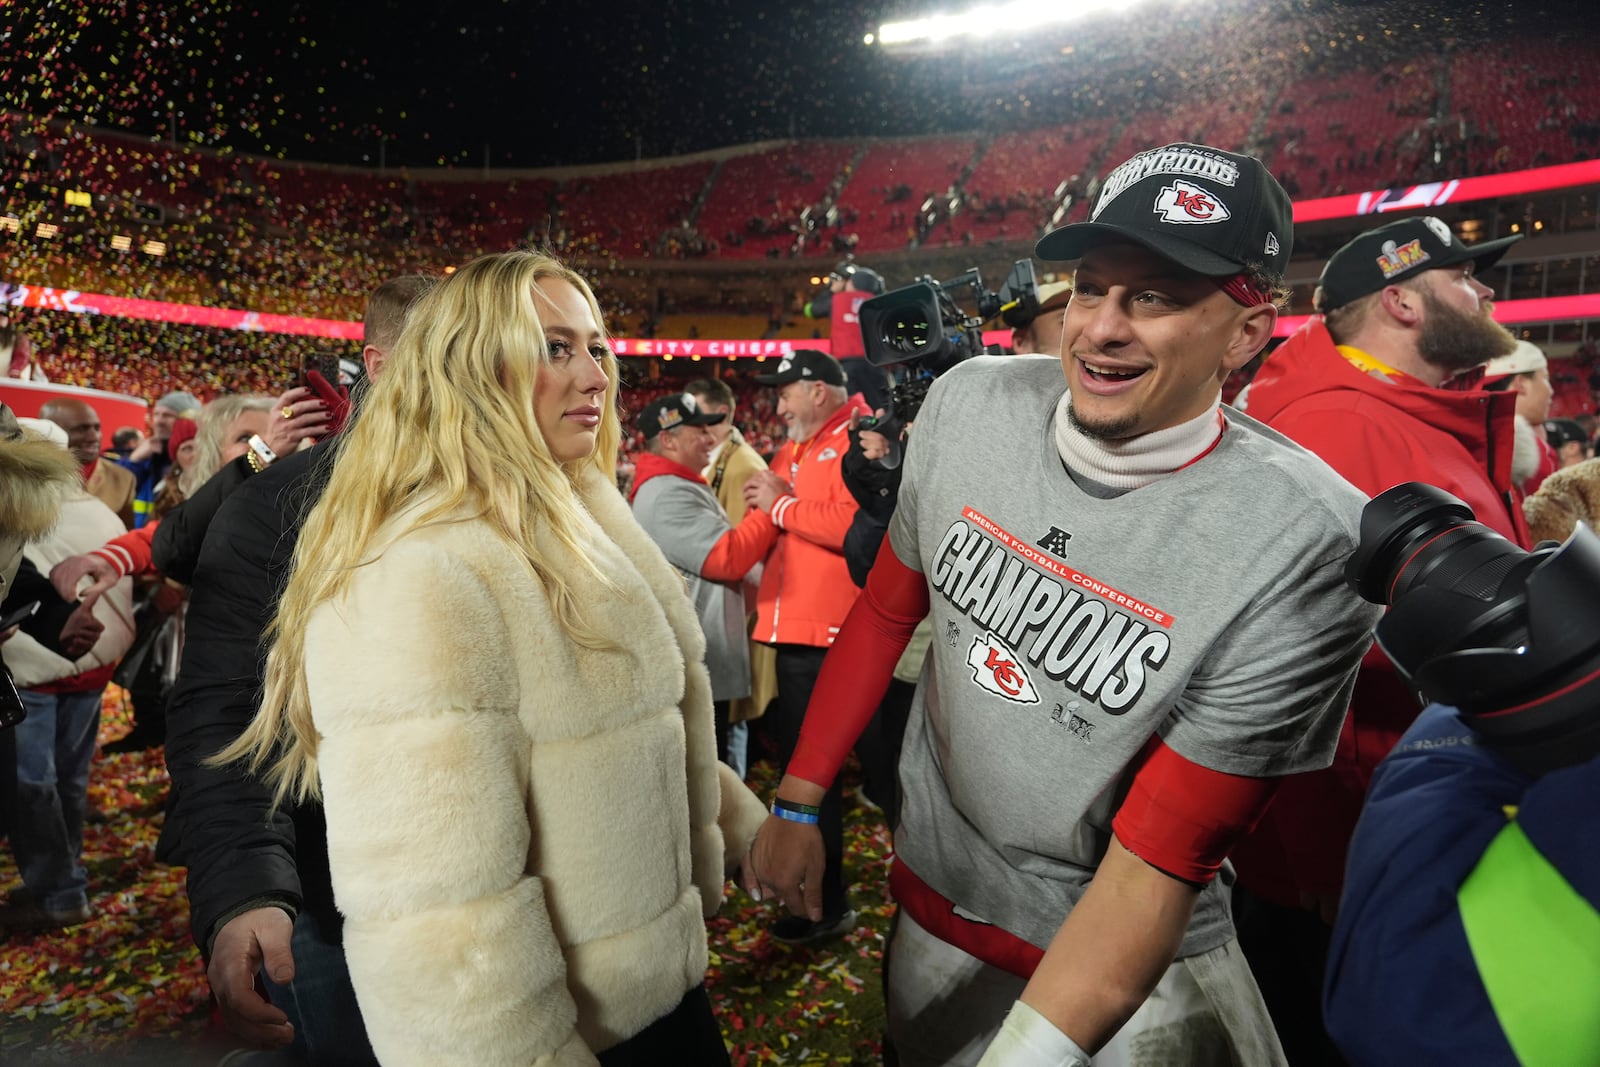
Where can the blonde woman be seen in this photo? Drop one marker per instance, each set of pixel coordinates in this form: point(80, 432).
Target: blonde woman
point(494, 681)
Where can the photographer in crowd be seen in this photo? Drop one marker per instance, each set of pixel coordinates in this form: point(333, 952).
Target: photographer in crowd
point(1469, 929)
point(1105, 711)
point(1384, 388)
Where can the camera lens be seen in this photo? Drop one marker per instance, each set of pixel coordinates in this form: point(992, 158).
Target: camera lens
point(1415, 535)
point(1480, 624)
point(907, 335)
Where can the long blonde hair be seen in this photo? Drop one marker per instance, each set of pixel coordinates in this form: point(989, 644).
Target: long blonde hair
point(450, 420)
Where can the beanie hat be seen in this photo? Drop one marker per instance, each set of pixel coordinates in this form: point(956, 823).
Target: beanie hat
point(179, 403)
point(182, 430)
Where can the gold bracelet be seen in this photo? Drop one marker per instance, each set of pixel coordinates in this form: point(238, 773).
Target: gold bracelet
point(254, 461)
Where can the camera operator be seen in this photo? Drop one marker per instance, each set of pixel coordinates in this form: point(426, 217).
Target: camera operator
point(1469, 928)
point(849, 286)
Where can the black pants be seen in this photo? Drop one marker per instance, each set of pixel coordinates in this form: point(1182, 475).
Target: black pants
point(1287, 949)
point(879, 750)
point(687, 1036)
point(797, 667)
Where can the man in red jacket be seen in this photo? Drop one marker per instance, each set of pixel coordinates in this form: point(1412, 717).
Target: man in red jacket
point(1385, 387)
point(806, 589)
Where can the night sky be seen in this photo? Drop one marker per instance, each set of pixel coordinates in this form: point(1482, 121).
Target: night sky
point(541, 84)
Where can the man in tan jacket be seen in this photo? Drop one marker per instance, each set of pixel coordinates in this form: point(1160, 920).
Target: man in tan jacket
point(110, 484)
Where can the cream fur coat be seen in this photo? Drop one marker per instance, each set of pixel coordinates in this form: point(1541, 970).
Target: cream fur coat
point(525, 836)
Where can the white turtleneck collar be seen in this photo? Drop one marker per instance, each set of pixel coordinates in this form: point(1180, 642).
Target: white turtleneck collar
point(1137, 461)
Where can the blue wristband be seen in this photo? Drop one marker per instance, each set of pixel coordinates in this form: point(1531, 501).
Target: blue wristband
point(795, 816)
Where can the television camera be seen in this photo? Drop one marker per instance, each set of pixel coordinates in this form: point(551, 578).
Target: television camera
point(924, 327)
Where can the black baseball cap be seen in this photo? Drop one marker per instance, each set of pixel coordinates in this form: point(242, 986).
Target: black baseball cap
point(1564, 432)
point(805, 365)
point(1211, 211)
point(1398, 251)
point(863, 278)
point(672, 411)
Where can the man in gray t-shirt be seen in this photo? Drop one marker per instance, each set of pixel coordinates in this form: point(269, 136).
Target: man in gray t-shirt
point(1139, 624)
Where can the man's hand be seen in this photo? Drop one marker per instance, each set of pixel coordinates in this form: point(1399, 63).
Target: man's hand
point(786, 859)
point(763, 490)
point(147, 448)
point(873, 444)
point(82, 629)
point(308, 418)
point(67, 575)
point(785, 863)
point(246, 944)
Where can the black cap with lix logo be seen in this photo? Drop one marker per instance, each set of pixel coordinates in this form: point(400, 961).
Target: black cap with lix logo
point(1389, 254)
point(1211, 211)
point(672, 411)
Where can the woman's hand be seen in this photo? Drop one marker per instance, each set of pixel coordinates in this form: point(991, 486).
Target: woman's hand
point(308, 417)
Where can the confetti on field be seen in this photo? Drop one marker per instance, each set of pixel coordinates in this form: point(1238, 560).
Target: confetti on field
point(128, 986)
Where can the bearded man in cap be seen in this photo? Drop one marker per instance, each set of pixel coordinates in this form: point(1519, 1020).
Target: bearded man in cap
point(1139, 623)
point(1386, 388)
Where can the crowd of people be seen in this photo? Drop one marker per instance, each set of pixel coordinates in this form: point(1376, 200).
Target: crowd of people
point(433, 842)
point(274, 235)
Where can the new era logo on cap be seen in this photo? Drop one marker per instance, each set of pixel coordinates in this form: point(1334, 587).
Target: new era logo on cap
point(1216, 213)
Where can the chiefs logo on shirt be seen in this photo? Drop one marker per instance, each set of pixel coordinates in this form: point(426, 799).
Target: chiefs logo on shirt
point(1188, 204)
point(997, 669)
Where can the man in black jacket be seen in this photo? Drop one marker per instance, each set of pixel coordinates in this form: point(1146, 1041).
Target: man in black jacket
point(260, 897)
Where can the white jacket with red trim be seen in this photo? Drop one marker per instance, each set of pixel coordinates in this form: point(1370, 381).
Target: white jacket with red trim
point(806, 589)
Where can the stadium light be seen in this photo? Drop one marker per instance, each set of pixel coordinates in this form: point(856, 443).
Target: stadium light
point(121, 242)
point(154, 248)
point(989, 20)
point(46, 230)
point(10, 224)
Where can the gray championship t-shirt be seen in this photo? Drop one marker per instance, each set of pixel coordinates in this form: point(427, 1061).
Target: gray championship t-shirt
point(684, 519)
point(1209, 607)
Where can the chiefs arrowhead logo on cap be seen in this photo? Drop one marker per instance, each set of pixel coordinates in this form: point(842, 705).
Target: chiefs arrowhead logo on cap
point(1188, 204)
